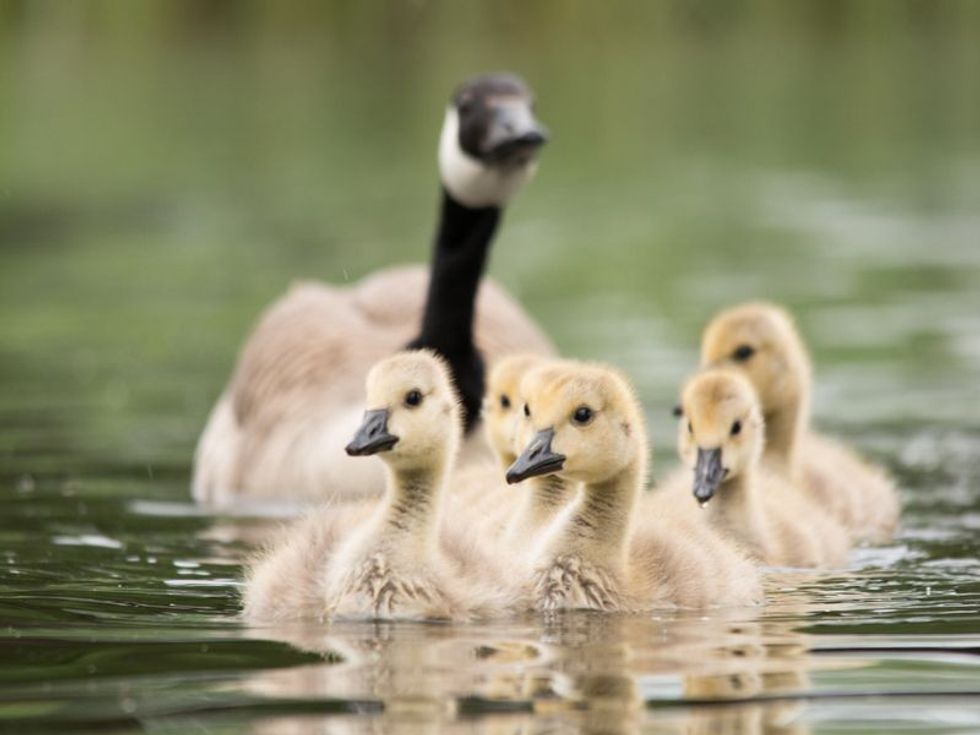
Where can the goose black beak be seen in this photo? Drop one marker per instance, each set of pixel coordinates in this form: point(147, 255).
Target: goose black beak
point(372, 437)
point(514, 135)
point(536, 459)
point(708, 474)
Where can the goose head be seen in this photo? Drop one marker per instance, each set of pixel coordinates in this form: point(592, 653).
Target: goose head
point(502, 405)
point(413, 418)
point(721, 432)
point(490, 140)
point(582, 422)
point(760, 341)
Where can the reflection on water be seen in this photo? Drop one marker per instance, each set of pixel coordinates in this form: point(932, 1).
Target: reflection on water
point(137, 624)
point(167, 168)
point(753, 671)
point(600, 671)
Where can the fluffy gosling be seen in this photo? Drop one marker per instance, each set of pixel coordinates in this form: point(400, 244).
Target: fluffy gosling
point(586, 426)
point(398, 561)
point(720, 437)
point(761, 341)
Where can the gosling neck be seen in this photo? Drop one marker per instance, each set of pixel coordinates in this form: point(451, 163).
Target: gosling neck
point(787, 421)
point(600, 525)
point(414, 502)
point(735, 505)
point(458, 260)
point(543, 498)
point(784, 427)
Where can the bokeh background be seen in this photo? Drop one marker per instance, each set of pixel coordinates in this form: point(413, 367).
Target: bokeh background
point(168, 167)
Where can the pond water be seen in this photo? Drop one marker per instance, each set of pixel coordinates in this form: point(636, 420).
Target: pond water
point(167, 168)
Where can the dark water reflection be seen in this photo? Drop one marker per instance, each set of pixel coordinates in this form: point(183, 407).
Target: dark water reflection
point(121, 611)
point(164, 172)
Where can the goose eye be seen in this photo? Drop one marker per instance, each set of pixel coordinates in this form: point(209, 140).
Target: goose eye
point(527, 411)
point(582, 415)
point(743, 352)
point(736, 428)
point(413, 398)
point(504, 401)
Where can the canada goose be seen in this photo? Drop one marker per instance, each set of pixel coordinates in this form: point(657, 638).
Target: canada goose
point(721, 438)
point(587, 427)
point(395, 561)
point(761, 341)
point(296, 392)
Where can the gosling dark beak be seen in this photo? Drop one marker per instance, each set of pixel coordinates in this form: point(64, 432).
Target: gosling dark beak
point(514, 135)
point(708, 474)
point(372, 437)
point(536, 459)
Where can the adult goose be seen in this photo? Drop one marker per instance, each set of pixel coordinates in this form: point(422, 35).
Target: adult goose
point(297, 392)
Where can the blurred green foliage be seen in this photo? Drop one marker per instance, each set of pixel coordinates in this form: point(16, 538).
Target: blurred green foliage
point(168, 167)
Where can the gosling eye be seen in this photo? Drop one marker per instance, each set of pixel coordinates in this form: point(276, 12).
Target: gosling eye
point(743, 353)
point(413, 398)
point(504, 401)
point(527, 411)
point(582, 415)
point(677, 411)
point(736, 428)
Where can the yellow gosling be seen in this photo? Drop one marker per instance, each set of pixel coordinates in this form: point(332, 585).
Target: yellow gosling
point(399, 561)
point(586, 426)
point(721, 437)
point(761, 341)
point(511, 515)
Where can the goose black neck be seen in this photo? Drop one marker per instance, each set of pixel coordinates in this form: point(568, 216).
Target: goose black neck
point(458, 261)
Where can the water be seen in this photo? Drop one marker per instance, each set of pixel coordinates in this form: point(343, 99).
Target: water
point(166, 169)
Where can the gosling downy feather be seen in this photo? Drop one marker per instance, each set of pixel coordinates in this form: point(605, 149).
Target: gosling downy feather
point(761, 341)
point(284, 581)
point(720, 438)
point(296, 392)
point(587, 427)
point(396, 560)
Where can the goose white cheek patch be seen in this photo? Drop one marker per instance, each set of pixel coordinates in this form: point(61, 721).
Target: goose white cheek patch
point(471, 182)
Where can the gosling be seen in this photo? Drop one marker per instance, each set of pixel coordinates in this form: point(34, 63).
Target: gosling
point(399, 561)
point(761, 341)
point(720, 437)
point(533, 504)
point(587, 427)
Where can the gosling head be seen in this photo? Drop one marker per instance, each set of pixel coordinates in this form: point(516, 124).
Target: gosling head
point(583, 423)
point(760, 341)
point(721, 430)
point(502, 405)
point(490, 140)
point(413, 416)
